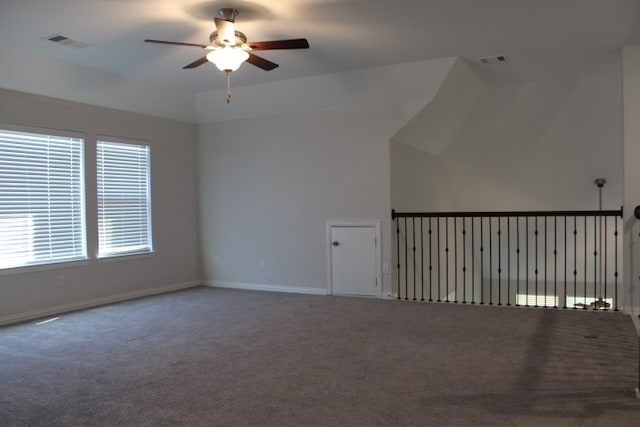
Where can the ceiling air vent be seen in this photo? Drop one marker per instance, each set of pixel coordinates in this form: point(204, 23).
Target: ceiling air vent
point(66, 41)
point(493, 59)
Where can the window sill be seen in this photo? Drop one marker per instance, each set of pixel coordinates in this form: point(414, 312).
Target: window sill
point(44, 267)
point(125, 257)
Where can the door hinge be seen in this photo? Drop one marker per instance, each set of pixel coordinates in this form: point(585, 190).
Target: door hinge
point(375, 241)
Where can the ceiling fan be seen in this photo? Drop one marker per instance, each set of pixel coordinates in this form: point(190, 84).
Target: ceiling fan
point(229, 48)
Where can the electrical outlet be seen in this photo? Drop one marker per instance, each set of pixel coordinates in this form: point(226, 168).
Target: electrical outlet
point(385, 268)
point(61, 280)
point(262, 266)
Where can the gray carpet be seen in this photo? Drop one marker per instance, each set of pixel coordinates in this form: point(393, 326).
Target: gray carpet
point(209, 357)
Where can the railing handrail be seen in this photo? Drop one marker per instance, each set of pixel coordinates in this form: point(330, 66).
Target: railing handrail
point(496, 214)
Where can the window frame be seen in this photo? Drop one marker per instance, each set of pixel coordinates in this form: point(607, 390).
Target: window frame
point(81, 195)
point(111, 256)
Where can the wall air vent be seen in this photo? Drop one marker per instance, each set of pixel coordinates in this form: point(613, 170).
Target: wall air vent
point(493, 59)
point(66, 41)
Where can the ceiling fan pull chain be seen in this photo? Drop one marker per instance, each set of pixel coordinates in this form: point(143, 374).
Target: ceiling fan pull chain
point(228, 87)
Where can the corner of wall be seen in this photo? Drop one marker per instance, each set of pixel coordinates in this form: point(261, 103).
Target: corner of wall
point(436, 123)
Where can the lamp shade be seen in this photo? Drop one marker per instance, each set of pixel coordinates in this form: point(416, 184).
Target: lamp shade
point(227, 59)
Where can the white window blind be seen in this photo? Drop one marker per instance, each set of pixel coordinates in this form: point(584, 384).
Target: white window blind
point(537, 300)
point(41, 199)
point(124, 200)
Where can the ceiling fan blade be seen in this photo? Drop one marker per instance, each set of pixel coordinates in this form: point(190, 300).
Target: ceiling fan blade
point(226, 31)
point(203, 46)
point(260, 62)
point(196, 63)
point(280, 44)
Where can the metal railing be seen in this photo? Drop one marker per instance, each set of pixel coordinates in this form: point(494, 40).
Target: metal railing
point(559, 259)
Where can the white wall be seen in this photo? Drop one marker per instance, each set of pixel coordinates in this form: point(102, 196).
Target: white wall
point(293, 156)
point(268, 186)
point(540, 145)
point(418, 180)
point(631, 70)
point(436, 124)
point(174, 197)
point(530, 145)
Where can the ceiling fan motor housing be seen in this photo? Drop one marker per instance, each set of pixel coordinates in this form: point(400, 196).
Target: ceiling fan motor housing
point(240, 40)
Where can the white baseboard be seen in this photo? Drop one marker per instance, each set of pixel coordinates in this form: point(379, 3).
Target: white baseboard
point(38, 314)
point(636, 320)
point(265, 287)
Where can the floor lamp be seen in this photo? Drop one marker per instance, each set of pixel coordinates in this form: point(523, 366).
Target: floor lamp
point(600, 303)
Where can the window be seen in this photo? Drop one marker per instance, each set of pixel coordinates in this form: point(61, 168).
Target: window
point(41, 198)
point(537, 300)
point(124, 200)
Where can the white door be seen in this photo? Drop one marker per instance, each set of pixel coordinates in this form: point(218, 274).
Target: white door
point(353, 260)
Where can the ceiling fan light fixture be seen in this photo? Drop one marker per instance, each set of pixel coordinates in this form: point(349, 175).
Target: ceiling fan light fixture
point(229, 48)
point(227, 59)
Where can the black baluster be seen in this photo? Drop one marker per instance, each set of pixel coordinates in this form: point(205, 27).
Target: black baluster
point(455, 260)
point(439, 273)
point(398, 247)
point(615, 284)
point(499, 260)
point(430, 260)
point(421, 260)
point(545, 262)
point(564, 305)
point(508, 261)
point(595, 261)
point(517, 259)
point(406, 260)
point(473, 264)
point(481, 261)
point(526, 261)
point(536, 258)
point(490, 261)
point(446, 256)
point(575, 261)
point(464, 260)
point(413, 229)
point(555, 260)
point(604, 297)
point(584, 286)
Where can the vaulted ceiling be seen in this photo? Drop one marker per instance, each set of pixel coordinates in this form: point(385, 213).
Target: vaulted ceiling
point(539, 37)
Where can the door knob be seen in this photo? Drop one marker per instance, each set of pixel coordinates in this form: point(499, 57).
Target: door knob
point(335, 243)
